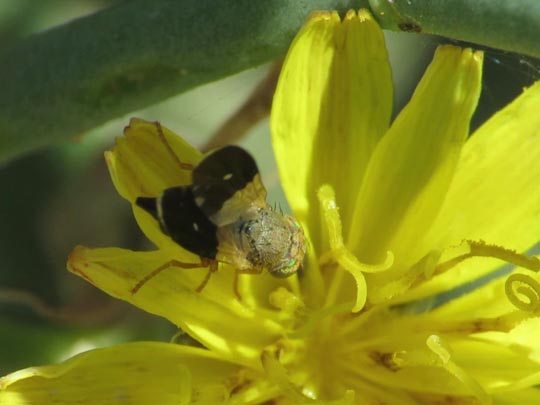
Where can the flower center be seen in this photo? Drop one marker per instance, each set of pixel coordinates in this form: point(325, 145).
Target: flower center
point(334, 354)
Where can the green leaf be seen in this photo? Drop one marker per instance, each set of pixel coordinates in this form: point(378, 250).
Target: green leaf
point(74, 77)
point(503, 24)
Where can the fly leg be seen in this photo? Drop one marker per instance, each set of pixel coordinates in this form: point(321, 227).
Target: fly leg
point(236, 289)
point(175, 263)
point(212, 268)
point(163, 139)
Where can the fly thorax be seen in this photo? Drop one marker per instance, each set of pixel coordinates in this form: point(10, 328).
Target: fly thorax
point(271, 240)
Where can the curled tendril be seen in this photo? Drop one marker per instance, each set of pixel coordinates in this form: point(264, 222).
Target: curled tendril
point(523, 291)
point(340, 254)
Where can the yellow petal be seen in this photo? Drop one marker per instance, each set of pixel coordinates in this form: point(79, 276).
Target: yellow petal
point(332, 103)
point(488, 301)
point(494, 366)
point(142, 164)
point(402, 353)
point(411, 168)
point(487, 314)
point(468, 260)
point(132, 373)
point(146, 161)
point(214, 316)
point(530, 396)
point(503, 356)
point(494, 196)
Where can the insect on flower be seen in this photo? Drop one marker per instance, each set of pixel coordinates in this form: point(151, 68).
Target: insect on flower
point(223, 217)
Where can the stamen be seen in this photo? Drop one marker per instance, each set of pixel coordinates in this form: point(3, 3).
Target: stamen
point(482, 249)
point(439, 355)
point(517, 284)
point(339, 253)
point(285, 300)
point(438, 346)
point(401, 283)
point(522, 284)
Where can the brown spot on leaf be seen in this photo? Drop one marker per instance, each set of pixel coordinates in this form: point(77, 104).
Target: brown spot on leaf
point(409, 26)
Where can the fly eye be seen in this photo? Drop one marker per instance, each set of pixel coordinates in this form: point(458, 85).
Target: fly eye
point(285, 270)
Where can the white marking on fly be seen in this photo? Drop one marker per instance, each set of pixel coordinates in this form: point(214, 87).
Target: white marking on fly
point(196, 226)
point(159, 208)
point(199, 201)
point(228, 176)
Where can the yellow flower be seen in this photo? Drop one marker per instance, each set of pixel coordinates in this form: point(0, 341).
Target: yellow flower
point(394, 212)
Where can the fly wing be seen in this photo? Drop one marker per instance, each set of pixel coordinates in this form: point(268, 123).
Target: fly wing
point(226, 184)
point(181, 219)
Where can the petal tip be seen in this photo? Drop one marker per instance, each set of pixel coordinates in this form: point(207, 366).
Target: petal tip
point(109, 158)
point(135, 122)
point(323, 16)
point(478, 56)
point(350, 15)
point(364, 15)
point(76, 263)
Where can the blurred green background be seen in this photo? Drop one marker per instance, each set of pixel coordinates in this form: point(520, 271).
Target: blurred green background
point(57, 198)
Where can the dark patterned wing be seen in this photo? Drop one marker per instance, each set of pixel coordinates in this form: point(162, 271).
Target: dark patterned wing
point(226, 183)
point(181, 219)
